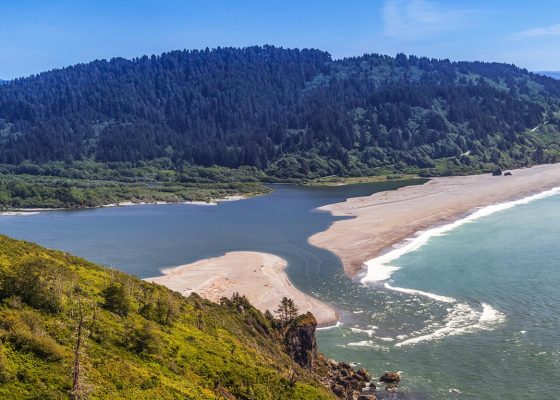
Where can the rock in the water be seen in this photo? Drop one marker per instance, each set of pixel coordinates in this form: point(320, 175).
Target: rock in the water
point(391, 387)
point(507, 173)
point(370, 387)
point(390, 377)
point(497, 172)
point(367, 397)
point(346, 383)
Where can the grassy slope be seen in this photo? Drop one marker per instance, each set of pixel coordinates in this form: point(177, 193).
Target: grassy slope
point(204, 349)
point(89, 184)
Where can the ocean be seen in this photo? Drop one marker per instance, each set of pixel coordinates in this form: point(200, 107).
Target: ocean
point(467, 310)
point(476, 308)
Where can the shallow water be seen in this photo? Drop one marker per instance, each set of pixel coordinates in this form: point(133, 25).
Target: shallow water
point(482, 315)
point(497, 336)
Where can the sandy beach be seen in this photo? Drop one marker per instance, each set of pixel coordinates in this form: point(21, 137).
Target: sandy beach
point(387, 218)
point(259, 276)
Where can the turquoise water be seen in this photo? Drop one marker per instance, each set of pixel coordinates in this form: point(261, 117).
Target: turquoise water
point(498, 339)
point(509, 261)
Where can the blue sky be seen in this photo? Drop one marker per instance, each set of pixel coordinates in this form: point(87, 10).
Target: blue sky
point(41, 35)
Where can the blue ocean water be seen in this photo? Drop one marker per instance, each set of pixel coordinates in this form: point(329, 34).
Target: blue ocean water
point(479, 318)
point(500, 339)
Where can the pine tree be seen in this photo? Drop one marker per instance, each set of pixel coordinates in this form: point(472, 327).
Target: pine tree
point(77, 391)
point(287, 311)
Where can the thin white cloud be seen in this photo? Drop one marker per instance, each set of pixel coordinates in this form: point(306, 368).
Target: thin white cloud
point(552, 30)
point(418, 19)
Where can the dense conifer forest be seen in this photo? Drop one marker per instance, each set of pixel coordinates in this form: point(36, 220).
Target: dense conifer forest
point(289, 114)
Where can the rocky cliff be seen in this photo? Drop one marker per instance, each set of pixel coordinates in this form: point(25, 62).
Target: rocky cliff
point(344, 381)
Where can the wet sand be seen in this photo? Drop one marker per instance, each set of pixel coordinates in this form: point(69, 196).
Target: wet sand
point(385, 219)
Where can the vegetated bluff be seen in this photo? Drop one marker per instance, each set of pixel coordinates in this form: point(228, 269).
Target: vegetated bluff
point(72, 329)
point(293, 113)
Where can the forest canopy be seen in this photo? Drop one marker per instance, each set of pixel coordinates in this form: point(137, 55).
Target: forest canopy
point(292, 113)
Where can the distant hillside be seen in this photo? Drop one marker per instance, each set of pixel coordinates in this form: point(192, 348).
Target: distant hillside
point(71, 329)
point(3, 82)
point(552, 74)
point(292, 113)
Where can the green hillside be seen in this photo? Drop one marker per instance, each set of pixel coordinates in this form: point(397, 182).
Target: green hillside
point(138, 340)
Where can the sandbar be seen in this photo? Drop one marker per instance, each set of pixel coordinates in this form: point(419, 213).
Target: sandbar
point(385, 219)
point(259, 276)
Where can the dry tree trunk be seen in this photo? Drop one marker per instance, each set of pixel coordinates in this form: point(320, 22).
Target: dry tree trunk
point(76, 393)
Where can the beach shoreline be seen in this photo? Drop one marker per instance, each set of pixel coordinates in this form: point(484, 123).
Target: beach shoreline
point(36, 210)
point(259, 276)
point(377, 224)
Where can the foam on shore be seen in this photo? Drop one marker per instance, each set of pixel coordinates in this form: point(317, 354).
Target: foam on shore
point(18, 213)
point(462, 317)
point(436, 297)
point(379, 268)
point(326, 328)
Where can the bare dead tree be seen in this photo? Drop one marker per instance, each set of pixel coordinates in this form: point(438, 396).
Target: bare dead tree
point(76, 393)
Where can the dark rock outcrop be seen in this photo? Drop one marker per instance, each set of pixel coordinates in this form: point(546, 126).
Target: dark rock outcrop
point(390, 377)
point(345, 382)
point(300, 342)
point(497, 172)
point(363, 374)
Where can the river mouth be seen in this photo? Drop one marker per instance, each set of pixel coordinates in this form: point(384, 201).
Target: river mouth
point(514, 273)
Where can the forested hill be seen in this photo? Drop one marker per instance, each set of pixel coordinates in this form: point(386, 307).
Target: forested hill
point(292, 113)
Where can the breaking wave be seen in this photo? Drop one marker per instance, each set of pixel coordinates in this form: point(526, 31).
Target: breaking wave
point(379, 268)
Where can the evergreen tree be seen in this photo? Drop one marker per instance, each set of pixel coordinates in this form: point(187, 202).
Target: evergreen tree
point(287, 311)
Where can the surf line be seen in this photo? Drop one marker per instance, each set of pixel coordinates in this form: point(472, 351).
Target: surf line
point(380, 268)
point(462, 318)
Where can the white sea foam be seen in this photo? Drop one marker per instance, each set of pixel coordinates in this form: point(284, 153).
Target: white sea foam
point(436, 297)
point(369, 343)
point(380, 269)
point(18, 213)
point(462, 319)
point(370, 332)
point(324, 328)
point(200, 203)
